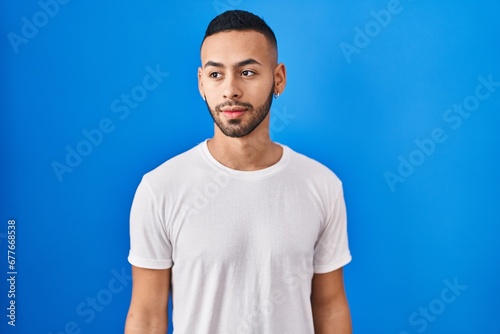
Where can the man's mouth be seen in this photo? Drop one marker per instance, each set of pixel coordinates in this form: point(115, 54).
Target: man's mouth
point(234, 112)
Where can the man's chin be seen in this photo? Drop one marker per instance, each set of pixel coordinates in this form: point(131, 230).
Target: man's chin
point(234, 133)
point(234, 121)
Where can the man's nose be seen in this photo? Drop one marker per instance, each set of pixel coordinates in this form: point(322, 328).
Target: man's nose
point(232, 89)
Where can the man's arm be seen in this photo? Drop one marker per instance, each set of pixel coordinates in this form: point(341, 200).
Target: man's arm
point(148, 308)
point(329, 304)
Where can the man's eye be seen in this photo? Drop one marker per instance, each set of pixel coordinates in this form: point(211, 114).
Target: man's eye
point(247, 73)
point(215, 75)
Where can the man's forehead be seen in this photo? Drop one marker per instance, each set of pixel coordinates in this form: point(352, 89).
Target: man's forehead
point(241, 44)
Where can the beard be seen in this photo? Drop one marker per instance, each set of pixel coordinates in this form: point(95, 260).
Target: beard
point(237, 128)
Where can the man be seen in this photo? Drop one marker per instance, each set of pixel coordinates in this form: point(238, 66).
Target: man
point(247, 235)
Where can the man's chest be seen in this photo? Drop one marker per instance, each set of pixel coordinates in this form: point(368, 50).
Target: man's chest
point(258, 225)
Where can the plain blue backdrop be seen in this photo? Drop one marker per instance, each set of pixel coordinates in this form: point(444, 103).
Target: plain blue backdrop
point(400, 98)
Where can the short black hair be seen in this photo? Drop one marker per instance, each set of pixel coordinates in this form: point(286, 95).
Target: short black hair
point(240, 20)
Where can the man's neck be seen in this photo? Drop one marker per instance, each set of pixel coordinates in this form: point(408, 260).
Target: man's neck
point(252, 152)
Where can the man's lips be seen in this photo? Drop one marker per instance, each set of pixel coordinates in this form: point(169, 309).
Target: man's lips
point(232, 113)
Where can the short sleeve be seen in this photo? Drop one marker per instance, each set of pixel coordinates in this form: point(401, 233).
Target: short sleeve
point(149, 244)
point(331, 251)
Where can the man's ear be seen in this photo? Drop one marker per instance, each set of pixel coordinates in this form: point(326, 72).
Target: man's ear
point(279, 78)
point(200, 83)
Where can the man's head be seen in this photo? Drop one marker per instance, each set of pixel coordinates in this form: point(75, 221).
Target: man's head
point(239, 72)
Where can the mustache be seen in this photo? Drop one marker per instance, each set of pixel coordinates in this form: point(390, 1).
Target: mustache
point(233, 104)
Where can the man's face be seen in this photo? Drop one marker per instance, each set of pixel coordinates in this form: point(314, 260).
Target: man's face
point(237, 80)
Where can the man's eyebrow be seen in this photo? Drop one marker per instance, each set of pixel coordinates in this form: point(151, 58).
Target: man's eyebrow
point(249, 61)
point(213, 63)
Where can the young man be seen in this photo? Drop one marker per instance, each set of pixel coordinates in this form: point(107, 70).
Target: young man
point(248, 235)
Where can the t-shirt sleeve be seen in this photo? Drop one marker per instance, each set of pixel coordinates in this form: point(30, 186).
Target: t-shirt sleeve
point(150, 246)
point(332, 249)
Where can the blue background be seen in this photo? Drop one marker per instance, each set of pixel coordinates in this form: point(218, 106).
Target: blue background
point(360, 114)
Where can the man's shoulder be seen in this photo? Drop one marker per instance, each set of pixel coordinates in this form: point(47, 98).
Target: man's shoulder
point(311, 168)
point(176, 166)
point(303, 159)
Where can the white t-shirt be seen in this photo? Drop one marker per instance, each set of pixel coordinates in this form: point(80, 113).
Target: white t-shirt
point(243, 245)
